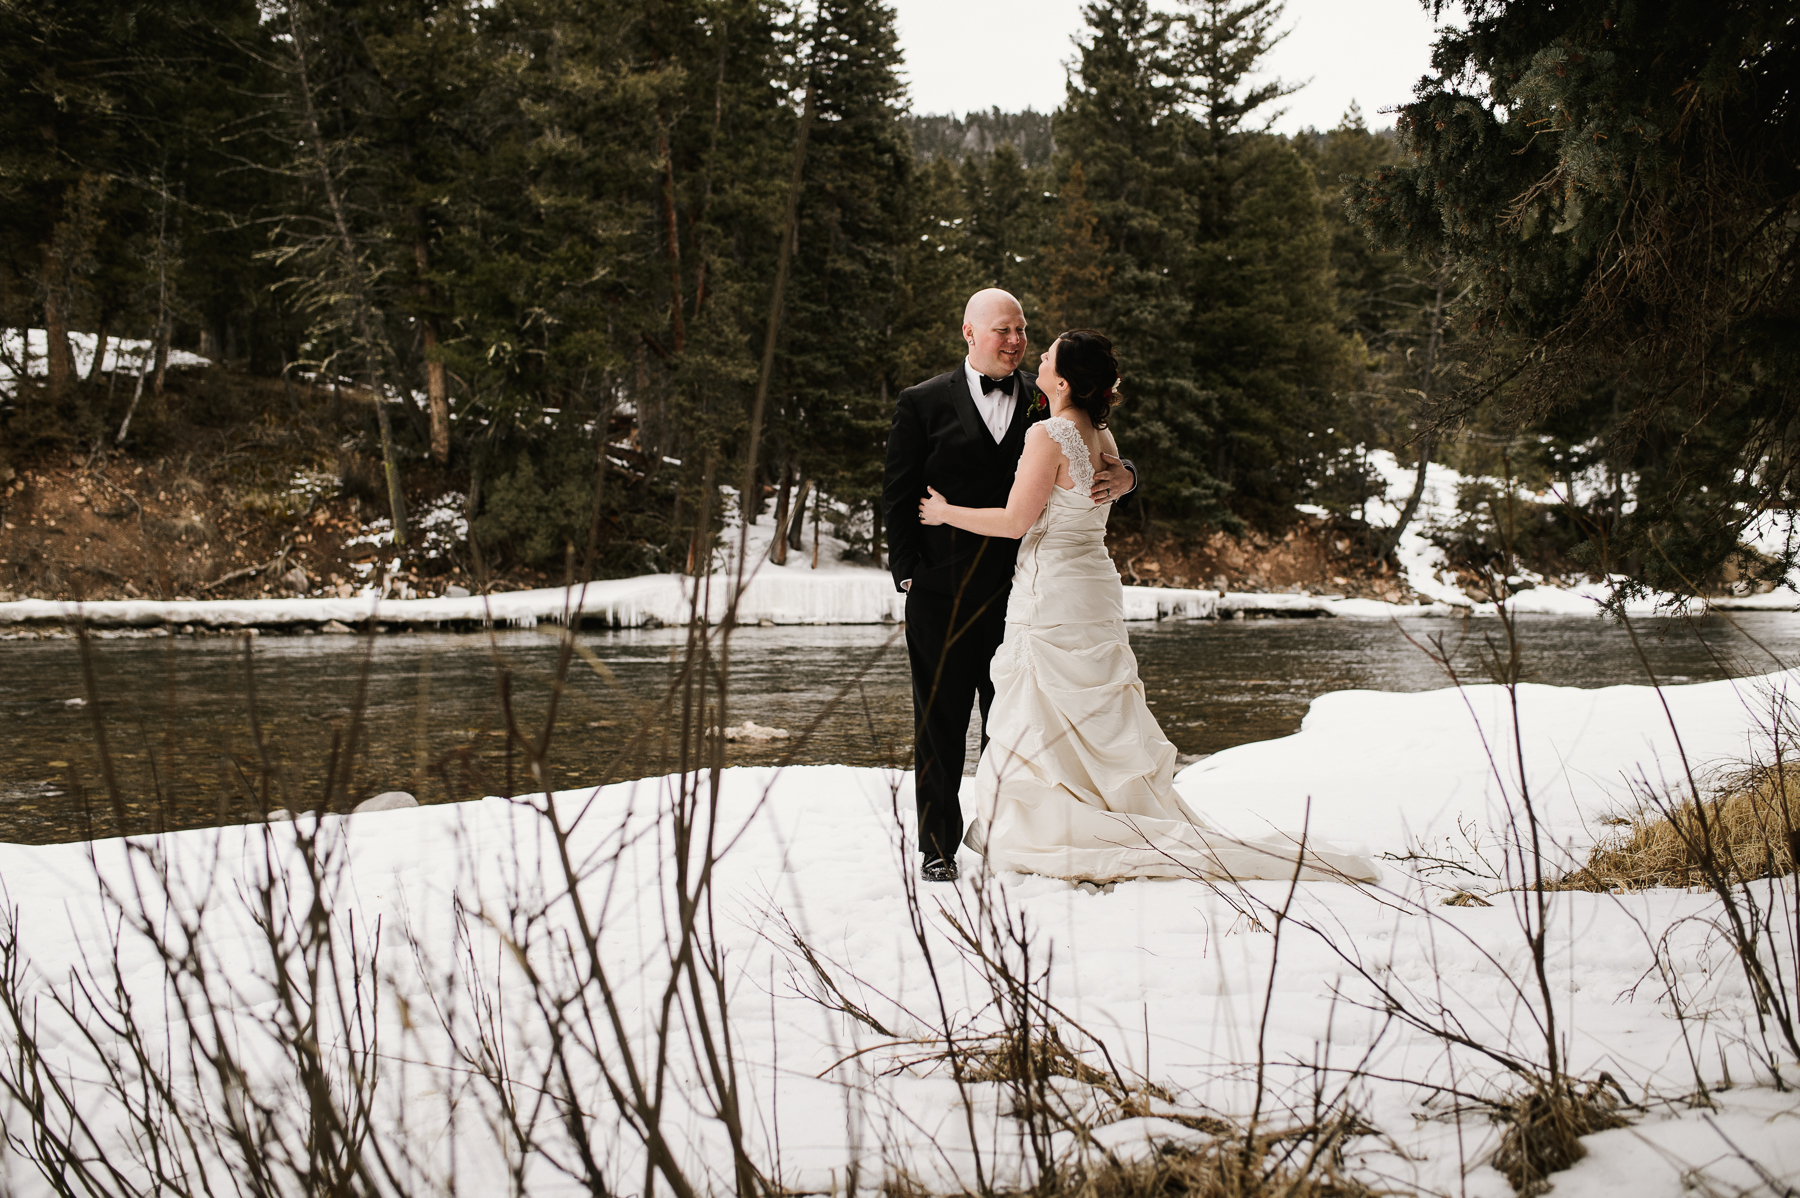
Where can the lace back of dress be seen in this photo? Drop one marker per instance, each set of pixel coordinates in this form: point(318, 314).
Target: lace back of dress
point(1062, 430)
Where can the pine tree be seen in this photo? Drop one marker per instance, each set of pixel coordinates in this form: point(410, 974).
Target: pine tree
point(1075, 273)
point(1124, 122)
point(422, 62)
point(1004, 227)
point(552, 262)
point(61, 132)
point(1619, 183)
point(1264, 320)
point(934, 276)
point(1397, 316)
point(839, 354)
point(113, 137)
point(1221, 44)
point(1264, 330)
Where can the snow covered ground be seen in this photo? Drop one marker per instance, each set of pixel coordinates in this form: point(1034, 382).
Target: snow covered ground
point(847, 596)
point(778, 595)
point(1427, 569)
point(122, 354)
point(1170, 976)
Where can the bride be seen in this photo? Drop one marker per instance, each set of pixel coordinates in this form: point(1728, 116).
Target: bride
point(1077, 779)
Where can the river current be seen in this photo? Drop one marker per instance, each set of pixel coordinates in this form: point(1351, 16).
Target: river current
point(187, 722)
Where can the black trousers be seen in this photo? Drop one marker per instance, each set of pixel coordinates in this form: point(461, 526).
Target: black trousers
point(949, 643)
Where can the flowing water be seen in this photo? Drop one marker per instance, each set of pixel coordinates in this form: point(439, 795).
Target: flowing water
point(186, 721)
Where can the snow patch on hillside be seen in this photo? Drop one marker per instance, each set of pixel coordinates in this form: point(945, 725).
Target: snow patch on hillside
point(129, 355)
point(1427, 569)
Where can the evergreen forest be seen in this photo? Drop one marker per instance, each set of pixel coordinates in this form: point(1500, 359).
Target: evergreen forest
point(593, 265)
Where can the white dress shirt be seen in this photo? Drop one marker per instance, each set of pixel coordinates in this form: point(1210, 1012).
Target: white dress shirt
point(996, 407)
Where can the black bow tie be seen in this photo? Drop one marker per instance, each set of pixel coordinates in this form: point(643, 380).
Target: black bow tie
point(1005, 384)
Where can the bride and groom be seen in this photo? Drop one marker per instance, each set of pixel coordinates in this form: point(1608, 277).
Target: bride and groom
point(997, 492)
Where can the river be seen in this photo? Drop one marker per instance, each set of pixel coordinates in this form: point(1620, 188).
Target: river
point(186, 721)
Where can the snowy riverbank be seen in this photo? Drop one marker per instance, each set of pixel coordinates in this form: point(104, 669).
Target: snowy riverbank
point(1170, 975)
point(846, 595)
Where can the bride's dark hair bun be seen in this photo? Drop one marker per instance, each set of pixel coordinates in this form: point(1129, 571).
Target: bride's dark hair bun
point(1085, 358)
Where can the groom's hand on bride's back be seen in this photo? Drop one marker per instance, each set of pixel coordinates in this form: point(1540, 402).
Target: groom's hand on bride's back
point(1115, 479)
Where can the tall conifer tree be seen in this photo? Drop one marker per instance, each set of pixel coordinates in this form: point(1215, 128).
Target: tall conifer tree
point(1619, 181)
point(1124, 123)
point(840, 353)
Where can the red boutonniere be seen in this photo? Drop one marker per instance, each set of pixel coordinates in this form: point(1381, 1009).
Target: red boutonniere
point(1040, 403)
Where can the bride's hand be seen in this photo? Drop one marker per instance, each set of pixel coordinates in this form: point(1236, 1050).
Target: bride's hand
point(934, 508)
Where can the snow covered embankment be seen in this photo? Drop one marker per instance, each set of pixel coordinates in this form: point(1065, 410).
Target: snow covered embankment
point(1170, 974)
point(773, 596)
point(807, 589)
point(818, 585)
point(1427, 570)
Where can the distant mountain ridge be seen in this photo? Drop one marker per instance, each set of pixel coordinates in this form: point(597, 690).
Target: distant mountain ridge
point(979, 133)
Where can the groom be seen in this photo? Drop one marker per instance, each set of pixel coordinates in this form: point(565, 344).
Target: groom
point(962, 433)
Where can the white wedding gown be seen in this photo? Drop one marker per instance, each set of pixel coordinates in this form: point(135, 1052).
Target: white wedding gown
point(1076, 780)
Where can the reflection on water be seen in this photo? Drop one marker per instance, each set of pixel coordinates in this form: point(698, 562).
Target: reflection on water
point(189, 719)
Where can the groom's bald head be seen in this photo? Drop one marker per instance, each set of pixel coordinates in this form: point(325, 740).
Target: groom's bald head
point(994, 327)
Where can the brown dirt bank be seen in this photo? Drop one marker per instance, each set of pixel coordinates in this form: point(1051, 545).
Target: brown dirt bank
point(256, 488)
point(71, 529)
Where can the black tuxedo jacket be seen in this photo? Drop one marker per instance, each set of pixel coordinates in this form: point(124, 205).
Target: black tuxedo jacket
point(940, 440)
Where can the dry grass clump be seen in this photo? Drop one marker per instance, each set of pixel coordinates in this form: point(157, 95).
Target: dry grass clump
point(1544, 1129)
point(1750, 830)
point(1225, 1169)
point(1302, 1162)
point(1008, 1058)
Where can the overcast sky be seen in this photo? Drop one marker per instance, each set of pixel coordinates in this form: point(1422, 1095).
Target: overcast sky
point(963, 55)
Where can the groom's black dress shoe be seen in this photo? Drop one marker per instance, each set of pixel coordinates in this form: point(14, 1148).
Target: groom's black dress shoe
point(936, 869)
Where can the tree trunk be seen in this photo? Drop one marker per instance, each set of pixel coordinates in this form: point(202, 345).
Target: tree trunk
point(783, 259)
point(437, 389)
point(818, 517)
point(98, 365)
point(697, 216)
point(287, 389)
point(163, 323)
point(1390, 542)
point(677, 328)
point(778, 546)
point(164, 331)
point(59, 359)
point(391, 469)
point(20, 366)
point(1434, 341)
point(796, 528)
point(347, 247)
point(137, 393)
point(478, 571)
